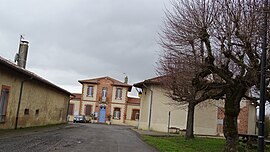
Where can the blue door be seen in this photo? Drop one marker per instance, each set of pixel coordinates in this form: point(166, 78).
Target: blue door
point(102, 114)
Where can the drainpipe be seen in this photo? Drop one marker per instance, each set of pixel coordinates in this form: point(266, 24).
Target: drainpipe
point(19, 102)
point(150, 108)
point(139, 93)
point(67, 117)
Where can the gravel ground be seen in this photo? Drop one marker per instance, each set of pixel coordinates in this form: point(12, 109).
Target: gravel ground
point(74, 138)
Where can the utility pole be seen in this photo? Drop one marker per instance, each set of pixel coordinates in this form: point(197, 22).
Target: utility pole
point(262, 81)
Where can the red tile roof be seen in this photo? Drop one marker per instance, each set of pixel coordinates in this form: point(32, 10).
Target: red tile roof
point(77, 96)
point(10, 65)
point(115, 82)
point(156, 80)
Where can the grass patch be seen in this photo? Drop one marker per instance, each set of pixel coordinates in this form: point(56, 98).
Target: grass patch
point(179, 144)
point(199, 144)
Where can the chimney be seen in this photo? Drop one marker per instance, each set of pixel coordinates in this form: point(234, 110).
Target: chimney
point(21, 57)
point(126, 80)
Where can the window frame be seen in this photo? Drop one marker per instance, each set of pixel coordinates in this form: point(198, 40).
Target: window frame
point(133, 114)
point(116, 109)
point(88, 91)
point(37, 112)
point(4, 87)
point(104, 93)
point(119, 91)
point(90, 110)
point(26, 112)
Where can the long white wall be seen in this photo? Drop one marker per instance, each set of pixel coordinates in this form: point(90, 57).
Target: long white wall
point(205, 116)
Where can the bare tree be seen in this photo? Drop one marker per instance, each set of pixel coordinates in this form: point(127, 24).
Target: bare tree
point(223, 39)
point(178, 84)
point(180, 61)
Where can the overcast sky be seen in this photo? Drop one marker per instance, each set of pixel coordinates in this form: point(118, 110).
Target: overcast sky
point(70, 40)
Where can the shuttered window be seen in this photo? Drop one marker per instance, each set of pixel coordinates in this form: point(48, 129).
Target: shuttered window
point(87, 110)
point(3, 103)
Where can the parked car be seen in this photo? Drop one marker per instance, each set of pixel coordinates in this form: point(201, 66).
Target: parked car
point(79, 119)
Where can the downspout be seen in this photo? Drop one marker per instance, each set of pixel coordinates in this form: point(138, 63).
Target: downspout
point(140, 108)
point(125, 112)
point(67, 117)
point(19, 102)
point(150, 108)
point(80, 106)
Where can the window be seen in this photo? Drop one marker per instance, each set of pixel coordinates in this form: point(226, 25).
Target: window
point(118, 94)
point(37, 111)
point(104, 93)
point(3, 103)
point(71, 109)
point(135, 114)
point(26, 111)
point(87, 110)
point(90, 91)
point(117, 113)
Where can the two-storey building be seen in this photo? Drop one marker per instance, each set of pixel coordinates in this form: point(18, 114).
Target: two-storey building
point(107, 99)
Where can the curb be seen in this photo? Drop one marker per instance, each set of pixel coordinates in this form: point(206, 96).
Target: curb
point(143, 141)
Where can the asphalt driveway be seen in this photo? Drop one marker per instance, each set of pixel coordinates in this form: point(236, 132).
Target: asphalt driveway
point(74, 138)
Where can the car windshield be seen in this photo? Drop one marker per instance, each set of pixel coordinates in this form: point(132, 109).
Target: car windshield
point(78, 117)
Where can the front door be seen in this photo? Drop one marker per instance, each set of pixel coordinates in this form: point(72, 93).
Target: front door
point(102, 114)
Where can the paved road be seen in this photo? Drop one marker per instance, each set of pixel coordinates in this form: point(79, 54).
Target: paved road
point(74, 138)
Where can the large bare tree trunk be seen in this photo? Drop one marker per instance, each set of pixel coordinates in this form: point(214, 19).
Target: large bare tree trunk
point(232, 110)
point(231, 133)
point(190, 121)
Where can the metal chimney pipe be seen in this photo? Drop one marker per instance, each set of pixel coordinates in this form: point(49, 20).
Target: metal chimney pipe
point(22, 55)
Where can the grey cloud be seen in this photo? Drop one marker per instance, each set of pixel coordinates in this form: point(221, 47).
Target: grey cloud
point(77, 39)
